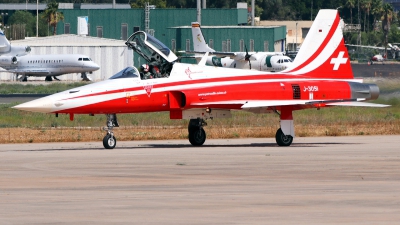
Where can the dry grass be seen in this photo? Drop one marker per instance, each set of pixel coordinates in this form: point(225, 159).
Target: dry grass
point(68, 134)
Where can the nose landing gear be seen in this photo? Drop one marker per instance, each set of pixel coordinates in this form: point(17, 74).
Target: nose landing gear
point(197, 135)
point(109, 141)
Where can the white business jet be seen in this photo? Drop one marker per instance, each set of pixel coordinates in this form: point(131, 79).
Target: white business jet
point(13, 59)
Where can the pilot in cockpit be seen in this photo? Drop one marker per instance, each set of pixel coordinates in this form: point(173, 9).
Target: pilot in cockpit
point(145, 72)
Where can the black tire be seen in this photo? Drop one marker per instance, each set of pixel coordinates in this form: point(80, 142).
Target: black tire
point(109, 142)
point(197, 137)
point(282, 139)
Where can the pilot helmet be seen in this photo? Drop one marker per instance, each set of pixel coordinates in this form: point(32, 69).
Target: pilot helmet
point(144, 68)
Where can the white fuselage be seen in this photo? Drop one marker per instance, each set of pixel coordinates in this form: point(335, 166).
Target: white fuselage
point(262, 62)
point(48, 65)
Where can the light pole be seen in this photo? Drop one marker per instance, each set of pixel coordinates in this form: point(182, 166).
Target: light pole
point(37, 18)
point(296, 38)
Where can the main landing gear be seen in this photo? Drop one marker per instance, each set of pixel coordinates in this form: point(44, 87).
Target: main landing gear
point(282, 139)
point(109, 141)
point(284, 135)
point(197, 135)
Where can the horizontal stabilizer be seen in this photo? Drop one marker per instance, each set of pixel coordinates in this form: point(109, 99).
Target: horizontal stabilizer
point(256, 104)
point(361, 104)
point(272, 103)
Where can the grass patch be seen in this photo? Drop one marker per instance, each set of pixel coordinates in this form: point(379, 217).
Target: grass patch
point(48, 88)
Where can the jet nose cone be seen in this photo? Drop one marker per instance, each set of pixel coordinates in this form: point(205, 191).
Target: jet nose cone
point(95, 66)
point(43, 105)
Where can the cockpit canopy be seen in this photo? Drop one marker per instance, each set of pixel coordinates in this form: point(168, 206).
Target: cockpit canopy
point(128, 72)
point(150, 48)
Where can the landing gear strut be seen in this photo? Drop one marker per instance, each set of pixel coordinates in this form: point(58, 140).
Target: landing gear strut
point(197, 135)
point(109, 141)
point(85, 77)
point(286, 122)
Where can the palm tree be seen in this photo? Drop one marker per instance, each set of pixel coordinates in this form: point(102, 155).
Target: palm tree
point(376, 10)
point(52, 15)
point(366, 6)
point(387, 18)
point(350, 4)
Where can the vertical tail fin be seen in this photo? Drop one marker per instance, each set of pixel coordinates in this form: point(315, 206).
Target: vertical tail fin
point(4, 43)
point(199, 43)
point(323, 53)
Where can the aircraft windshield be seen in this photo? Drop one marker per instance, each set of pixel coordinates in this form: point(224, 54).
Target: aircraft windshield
point(137, 43)
point(159, 45)
point(150, 48)
point(153, 51)
point(128, 72)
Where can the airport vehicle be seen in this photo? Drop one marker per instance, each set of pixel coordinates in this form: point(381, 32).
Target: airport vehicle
point(15, 59)
point(263, 61)
point(7, 49)
point(320, 77)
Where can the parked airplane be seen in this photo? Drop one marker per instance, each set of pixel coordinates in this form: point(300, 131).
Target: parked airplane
point(48, 65)
point(320, 77)
point(14, 59)
point(263, 61)
point(7, 49)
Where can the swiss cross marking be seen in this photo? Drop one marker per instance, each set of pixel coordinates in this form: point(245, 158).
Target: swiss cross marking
point(339, 60)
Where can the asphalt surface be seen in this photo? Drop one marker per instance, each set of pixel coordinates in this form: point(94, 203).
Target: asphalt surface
point(326, 180)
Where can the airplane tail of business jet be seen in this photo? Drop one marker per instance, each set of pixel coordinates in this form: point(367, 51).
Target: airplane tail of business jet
point(323, 53)
point(4, 43)
point(199, 43)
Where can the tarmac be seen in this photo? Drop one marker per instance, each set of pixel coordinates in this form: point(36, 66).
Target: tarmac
point(318, 180)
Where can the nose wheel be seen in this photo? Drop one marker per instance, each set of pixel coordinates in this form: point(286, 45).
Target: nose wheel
point(109, 141)
point(197, 135)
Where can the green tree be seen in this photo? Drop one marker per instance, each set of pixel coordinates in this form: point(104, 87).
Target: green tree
point(24, 17)
point(376, 11)
point(27, 18)
point(365, 6)
point(387, 18)
point(52, 15)
point(350, 4)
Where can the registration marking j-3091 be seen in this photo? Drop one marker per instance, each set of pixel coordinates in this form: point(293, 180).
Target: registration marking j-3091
point(310, 88)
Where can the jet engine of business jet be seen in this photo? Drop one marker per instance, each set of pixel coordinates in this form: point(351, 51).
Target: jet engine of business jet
point(8, 60)
point(15, 50)
point(20, 50)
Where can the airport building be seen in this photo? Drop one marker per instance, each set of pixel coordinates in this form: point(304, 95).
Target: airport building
point(224, 29)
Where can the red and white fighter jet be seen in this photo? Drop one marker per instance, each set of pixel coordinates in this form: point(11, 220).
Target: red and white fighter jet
point(321, 76)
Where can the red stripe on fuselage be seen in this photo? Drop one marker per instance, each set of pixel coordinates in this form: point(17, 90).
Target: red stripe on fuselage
point(171, 85)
